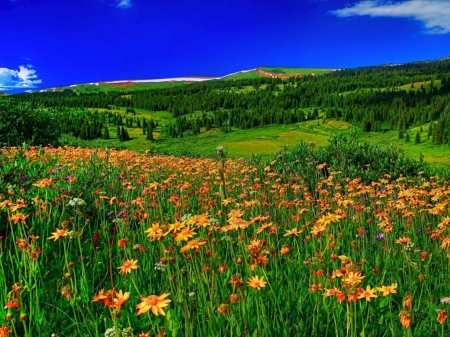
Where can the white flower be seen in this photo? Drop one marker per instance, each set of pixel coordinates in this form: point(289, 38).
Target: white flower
point(109, 332)
point(186, 217)
point(77, 202)
point(213, 221)
point(160, 266)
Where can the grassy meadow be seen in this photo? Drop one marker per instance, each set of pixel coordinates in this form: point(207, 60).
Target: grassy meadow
point(117, 243)
point(266, 141)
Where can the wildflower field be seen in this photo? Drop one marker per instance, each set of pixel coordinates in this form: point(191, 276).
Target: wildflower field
point(116, 243)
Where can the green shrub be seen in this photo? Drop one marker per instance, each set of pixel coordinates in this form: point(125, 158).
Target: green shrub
point(21, 122)
point(353, 158)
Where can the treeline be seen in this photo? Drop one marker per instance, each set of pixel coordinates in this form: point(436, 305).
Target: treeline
point(366, 96)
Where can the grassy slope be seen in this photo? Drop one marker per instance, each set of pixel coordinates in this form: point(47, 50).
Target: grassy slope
point(242, 75)
point(268, 140)
point(276, 70)
point(109, 87)
point(289, 71)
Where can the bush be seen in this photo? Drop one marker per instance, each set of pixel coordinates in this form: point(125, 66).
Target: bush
point(20, 122)
point(352, 158)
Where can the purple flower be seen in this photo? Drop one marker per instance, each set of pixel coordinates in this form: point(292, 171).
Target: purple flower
point(68, 177)
point(417, 229)
point(59, 168)
point(110, 213)
point(380, 236)
point(23, 180)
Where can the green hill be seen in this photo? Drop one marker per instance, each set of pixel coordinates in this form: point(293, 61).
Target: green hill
point(252, 112)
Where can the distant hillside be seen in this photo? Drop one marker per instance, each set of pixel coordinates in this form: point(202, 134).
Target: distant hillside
point(260, 110)
point(149, 84)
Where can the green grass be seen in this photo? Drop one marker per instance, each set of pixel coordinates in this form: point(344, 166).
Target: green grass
point(291, 71)
point(268, 140)
point(111, 87)
point(241, 75)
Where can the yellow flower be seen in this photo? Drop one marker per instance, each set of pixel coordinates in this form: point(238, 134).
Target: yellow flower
point(120, 299)
point(293, 231)
point(193, 244)
point(127, 266)
point(353, 278)
point(386, 290)
point(256, 282)
point(184, 235)
point(153, 303)
point(368, 293)
point(60, 233)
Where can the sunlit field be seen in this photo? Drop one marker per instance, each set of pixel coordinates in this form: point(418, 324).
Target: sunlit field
point(116, 243)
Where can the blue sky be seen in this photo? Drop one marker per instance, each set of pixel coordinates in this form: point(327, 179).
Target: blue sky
point(47, 43)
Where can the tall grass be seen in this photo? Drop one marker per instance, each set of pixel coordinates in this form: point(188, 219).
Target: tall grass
point(114, 243)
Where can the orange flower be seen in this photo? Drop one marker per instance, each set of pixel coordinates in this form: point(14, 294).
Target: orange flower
point(442, 316)
point(353, 278)
point(43, 183)
point(127, 266)
point(234, 298)
point(155, 232)
point(18, 217)
point(445, 243)
point(5, 203)
point(330, 292)
point(368, 293)
point(153, 303)
point(122, 242)
point(256, 282)
point(193, 244)
point(176, 227)
point(4, 331)
point(285, 250)
point(386, 290)
point(407, 301)
point(120, 299)
point(223, 308)
point(227, 201)
point(65, 291)
point(101, 295)
point(60, 233)
point(404, 240)
point(293, 231)
point(316, 287)
point(184, 235)
point(405, 319)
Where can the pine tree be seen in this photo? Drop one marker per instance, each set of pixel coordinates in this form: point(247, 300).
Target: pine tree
point(438, 133)
point(119, 133)
point(430, 130)
point(150, 132)
point(417, 140)
point(407, 139)
point(105, 133)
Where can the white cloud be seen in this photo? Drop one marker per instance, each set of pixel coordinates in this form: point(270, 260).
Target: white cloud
point(124, 4)
point(434, 14)
point(25, 77)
